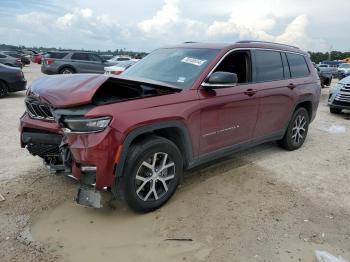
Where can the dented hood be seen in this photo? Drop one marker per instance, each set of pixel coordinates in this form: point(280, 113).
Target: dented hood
point(62, 91)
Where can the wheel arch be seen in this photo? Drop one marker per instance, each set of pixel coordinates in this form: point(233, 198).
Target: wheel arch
point(174, 131)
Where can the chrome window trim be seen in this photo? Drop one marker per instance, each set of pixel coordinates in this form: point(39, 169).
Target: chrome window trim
point(204, 84)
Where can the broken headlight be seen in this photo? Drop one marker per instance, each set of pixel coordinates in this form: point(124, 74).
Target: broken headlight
point(86, 125)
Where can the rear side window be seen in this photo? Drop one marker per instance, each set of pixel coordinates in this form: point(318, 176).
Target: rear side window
point(95, 58)
point(268, 66)
point(80, 56)
point(57, 55)
point(2, 56)
point(297, 65)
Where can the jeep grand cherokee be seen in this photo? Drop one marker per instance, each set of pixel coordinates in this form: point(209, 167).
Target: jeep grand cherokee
point(178, 108)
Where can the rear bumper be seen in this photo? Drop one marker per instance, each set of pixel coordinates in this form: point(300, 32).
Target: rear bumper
point(19, 85)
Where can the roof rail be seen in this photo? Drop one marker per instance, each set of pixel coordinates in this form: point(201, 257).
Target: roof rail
point(190, 42)
point(265, 42)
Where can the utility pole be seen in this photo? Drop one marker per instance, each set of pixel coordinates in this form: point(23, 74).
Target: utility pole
point(330, 52)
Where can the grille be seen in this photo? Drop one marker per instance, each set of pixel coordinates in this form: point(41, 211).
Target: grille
point(38, 111)
point(43, 150)
point(344, 95)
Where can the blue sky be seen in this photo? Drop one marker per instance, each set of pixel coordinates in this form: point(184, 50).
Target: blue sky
point(143, 26)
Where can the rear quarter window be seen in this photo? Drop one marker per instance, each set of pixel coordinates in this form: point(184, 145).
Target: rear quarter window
point(298, 66)
point(268, 66)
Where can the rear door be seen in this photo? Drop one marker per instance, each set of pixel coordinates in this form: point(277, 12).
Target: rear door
point(97, 65)
point(228, 115)
point(81, 62)
point(275, 88)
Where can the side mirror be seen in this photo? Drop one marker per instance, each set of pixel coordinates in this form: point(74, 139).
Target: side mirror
point(221, 80)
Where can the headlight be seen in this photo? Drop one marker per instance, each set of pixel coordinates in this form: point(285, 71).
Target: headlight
point(86, 125)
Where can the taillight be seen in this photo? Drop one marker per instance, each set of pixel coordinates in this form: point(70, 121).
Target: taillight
point(18, 60)
point(116, 72)
point(50, 61)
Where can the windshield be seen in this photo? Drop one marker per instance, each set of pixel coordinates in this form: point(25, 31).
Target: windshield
point(176, 66)
point(344, 66)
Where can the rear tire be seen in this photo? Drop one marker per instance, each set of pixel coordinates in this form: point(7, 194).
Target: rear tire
point(67, 70)
point(334, 110)
point(3, 89)
point(297, 130)
point(152, 173)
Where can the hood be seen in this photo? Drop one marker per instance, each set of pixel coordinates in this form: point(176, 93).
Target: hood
point(63, 91)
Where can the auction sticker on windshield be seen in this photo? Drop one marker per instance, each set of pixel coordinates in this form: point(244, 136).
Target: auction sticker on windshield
point(193, 61)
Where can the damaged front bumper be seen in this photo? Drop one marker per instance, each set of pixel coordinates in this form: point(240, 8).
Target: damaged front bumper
point(87, 158)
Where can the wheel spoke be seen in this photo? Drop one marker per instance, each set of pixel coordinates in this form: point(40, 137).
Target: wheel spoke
point(168, 165)
point(149, 193)
point(149, 166)
point(168, 177)
point(142, 186)
point(164, 185)
point(154, 161)
point(155, 193)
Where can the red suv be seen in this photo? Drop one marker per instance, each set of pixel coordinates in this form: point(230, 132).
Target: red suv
point(177, 108)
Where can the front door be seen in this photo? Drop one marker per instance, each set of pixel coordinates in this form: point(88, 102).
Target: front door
point(229, 115)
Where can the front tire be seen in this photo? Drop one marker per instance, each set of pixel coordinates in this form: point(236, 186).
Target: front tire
point(297, 130)
point(153, 170)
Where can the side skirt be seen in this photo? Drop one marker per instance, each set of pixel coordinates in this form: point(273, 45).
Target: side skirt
point(235, 148)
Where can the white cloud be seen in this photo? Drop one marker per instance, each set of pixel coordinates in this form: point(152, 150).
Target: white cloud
point(168, 15)
point(65, 21)
point(91, 25)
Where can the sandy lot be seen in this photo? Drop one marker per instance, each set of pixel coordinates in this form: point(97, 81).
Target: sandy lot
point(263, 204)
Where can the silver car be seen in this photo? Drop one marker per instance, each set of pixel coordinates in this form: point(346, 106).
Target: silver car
point(71, 62)
point(339, 96)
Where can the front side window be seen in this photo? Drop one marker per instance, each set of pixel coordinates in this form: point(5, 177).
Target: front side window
point(237, 62)
point(268, 66)
point(176, 66)
point(297, 65)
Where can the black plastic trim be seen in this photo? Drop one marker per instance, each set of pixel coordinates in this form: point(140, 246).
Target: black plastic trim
point(150, 128)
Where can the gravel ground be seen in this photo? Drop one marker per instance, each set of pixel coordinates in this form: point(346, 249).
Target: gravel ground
point(263, 204)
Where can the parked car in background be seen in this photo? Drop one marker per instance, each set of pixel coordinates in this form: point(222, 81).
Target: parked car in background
point(73, 62)
point(120, 67)
point(328, 69)
point(177, 108)
point(339, 96)
point(10, 61)
point(11, 80)
point(36, 58)
point(332, 63)
point(344, 70)
point(119, 58)
point(24, 59)
point(325, 74)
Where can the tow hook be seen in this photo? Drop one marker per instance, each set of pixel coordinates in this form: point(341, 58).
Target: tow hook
point(89, 197)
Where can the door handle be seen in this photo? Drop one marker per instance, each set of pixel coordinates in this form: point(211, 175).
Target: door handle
point(250, 92)
point(291, 86)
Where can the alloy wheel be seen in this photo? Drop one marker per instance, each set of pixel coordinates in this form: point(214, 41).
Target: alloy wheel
point(154, 176)
point(299, 129)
